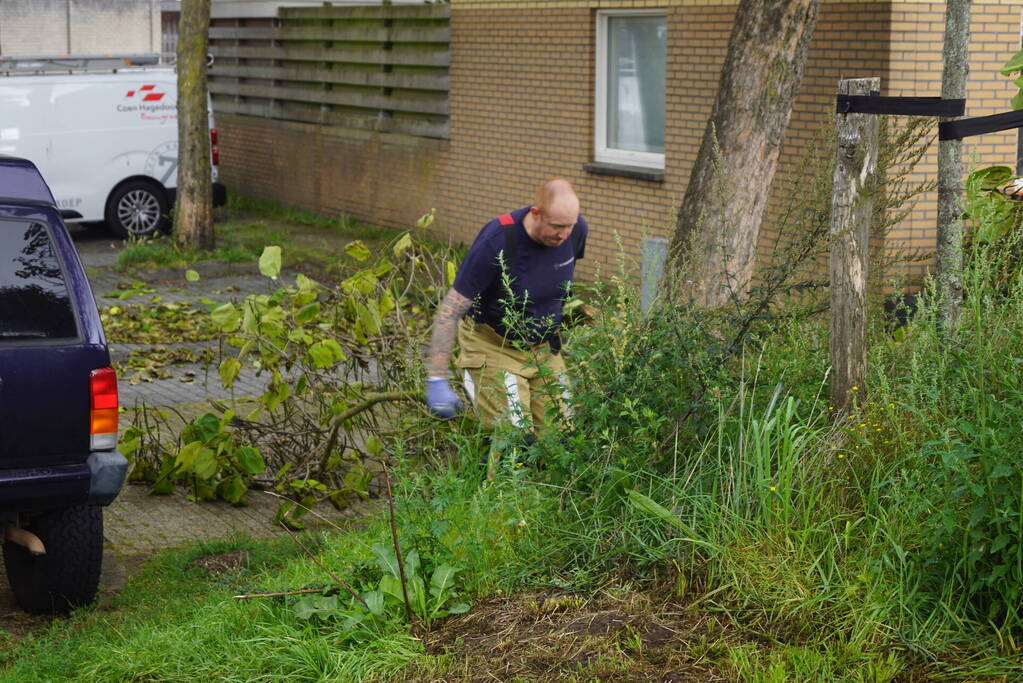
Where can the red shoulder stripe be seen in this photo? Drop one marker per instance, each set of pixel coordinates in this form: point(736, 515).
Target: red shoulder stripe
point(506, 219)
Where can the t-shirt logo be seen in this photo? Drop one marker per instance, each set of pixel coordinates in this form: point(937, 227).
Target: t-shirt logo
point(559, 266)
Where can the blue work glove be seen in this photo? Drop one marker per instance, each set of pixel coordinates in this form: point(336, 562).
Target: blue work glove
point(441, 399)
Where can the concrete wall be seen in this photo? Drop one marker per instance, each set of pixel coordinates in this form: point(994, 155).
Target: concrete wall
point(522, 93)
point(80, 27)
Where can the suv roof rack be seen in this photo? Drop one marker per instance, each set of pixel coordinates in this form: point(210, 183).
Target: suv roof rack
point(41, 64)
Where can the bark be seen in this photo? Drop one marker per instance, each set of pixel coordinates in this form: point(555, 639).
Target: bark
point(713, 250)
point(193, 212)
point(851, 210)
point(950, 168)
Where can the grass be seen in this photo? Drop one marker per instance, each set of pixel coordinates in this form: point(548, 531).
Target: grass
point(310, 242)
point(757, 539)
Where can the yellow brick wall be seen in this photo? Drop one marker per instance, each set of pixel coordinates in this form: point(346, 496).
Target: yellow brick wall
point(522, 74)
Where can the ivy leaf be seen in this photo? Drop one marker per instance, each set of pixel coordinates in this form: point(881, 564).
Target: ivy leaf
point(1017, 101)
point(250, 459)
point(192, 275)
point(229, 369)
point(270, 262)
point(357, 250)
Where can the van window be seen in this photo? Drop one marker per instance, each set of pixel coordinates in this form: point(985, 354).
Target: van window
point(34, 300)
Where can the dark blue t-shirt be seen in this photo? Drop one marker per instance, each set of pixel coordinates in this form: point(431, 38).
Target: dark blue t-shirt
point(540, 279)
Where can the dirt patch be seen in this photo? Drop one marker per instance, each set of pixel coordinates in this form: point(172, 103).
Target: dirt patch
point(543, 636)
point(224, 562)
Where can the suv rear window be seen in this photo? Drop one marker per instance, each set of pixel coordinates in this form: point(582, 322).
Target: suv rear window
point(34, 300)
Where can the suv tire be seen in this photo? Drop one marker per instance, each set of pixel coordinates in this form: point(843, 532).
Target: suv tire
point(138, 208)
point(67, 576)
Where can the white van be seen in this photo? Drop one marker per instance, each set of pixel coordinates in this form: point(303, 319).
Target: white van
point(106, 142)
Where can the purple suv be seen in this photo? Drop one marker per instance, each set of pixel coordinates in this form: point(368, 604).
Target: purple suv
point(58, 404)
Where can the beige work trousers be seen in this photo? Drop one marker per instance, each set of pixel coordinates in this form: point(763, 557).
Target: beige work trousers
point(507, 383)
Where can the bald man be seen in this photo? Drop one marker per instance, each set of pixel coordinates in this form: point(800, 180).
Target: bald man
point(509, 355)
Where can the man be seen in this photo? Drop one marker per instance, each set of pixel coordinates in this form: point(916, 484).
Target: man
point(512, 285)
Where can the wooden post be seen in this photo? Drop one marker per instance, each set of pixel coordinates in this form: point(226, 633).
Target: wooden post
point(850, 232)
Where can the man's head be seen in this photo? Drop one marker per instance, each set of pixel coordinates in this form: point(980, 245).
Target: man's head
point(552, 217)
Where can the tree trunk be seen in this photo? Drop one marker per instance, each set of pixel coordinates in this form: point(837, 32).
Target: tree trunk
point(713, 250)
point(855, 163)
point(193, 212)
point(950, 168)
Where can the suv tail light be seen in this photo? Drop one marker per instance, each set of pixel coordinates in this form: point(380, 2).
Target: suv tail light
point(103, 413)
point(214, 148)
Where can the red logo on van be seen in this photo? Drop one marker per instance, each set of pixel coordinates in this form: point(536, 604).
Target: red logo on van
point(148, 92)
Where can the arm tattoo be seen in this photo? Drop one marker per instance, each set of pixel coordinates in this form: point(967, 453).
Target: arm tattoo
point(445, 323)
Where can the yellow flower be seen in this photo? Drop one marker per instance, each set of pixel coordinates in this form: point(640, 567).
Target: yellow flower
point(841, 455)
point(774, 488)
point(855, 388)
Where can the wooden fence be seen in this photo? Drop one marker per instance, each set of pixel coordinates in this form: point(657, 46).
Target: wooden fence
point(379, 68)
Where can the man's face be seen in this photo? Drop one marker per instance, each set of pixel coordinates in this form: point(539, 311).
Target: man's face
point(556, 224)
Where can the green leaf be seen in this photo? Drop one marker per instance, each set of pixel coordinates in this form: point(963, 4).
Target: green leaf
point(412, 563)
point(321, 354)
point(357, 250)
point(185, 459)
point(426, 220)
point(226, 317)
point(270, 261)
point(391, 586)
point(1017, 100)
point(1015, 63)
point(375, 601)
point(460, 608)
point(315, 605)
point(374, 447)
point(655, 509)
point(233, 489)
point(304, 284)
point(451, 271)
point(192, 275)
point(307, 313)
point(442, 583)
point(208, 426)
point(206, 464)
point(386, 559)
point(369, 317)
point(250, 460)
point(229, 369)
point(402, 245)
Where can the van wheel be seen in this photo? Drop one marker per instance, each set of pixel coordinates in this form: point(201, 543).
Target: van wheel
point(67, 576)
point(137, 209)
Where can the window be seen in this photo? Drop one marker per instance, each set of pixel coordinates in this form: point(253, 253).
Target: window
point(34, 300)
point(629, 112)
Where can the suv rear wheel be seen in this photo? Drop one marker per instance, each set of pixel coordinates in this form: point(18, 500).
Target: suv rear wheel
point(137, 208)
point(67, 576)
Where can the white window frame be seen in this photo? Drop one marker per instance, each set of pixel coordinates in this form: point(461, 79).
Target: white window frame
point(601, 152)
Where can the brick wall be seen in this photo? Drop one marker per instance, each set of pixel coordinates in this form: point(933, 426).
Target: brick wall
point(382, 179)
point(522, 102)
point(41, 27)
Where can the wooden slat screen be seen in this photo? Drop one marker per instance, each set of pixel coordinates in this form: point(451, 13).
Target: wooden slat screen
point(381, 68)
